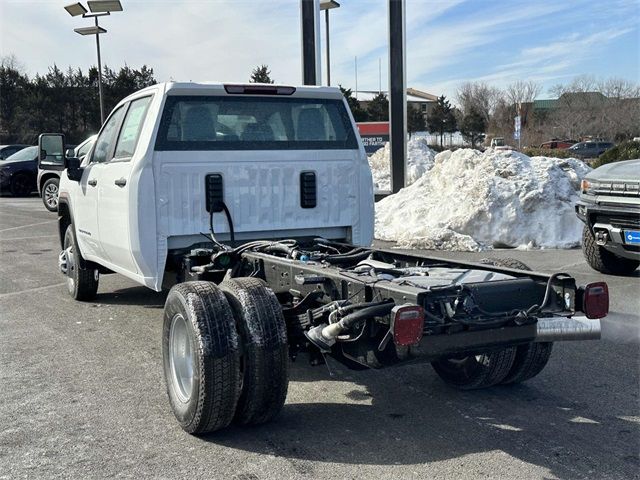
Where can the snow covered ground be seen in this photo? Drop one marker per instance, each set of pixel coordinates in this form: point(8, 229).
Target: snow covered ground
point(419, 160)
point(471, 200)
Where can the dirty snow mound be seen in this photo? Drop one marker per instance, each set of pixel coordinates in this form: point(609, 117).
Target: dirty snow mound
point(420, 159)
point(472, 200)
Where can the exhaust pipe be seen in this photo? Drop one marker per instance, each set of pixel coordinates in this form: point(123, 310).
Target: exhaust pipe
point(575, 328)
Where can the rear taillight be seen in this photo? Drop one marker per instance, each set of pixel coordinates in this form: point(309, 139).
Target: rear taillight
point(595, 300)
point(407, 322)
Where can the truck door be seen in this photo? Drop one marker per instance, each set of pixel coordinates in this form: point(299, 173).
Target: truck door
point(85, 205)
point(114, 202)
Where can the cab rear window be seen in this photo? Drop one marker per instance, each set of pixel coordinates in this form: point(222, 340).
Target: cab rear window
point(254, 123)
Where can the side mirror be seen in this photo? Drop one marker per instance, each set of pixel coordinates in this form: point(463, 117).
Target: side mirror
point(51, 151)
point(74, 172)
point(68, 152)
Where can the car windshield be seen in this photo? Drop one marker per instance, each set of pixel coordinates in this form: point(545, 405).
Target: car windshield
point(29, 153)
point(254, 123)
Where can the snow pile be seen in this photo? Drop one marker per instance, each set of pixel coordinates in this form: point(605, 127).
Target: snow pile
point(471, 200)
point(419, 160)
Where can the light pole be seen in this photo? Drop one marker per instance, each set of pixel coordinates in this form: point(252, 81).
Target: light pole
point(98, 8)
point(327, 5)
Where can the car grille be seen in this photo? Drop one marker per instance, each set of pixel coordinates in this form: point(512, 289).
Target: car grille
point(621, 189)
point(630, 221)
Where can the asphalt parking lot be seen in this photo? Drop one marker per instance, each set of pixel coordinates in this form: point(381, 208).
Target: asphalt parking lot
point(82, 393)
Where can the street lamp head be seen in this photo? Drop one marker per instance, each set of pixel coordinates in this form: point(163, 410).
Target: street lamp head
point(104, 6)
point(328, 4)
point(75, 9)
point(90, 30)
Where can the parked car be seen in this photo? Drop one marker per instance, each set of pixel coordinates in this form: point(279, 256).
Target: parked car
point(7, 150)
point(49, 172)
point(609, 207)
point(555, 143)
point(18, 172)
point(590, 149)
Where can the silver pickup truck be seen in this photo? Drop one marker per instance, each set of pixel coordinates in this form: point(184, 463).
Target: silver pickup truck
point(609, 206)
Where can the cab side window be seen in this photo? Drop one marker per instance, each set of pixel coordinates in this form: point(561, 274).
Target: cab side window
point(131, 127)
point(103, 151)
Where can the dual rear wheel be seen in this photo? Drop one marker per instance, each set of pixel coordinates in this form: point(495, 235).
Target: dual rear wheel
point(505, 366)
point(225, 354)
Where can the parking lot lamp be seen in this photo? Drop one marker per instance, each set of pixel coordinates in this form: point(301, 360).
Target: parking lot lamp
point(327, 5)
point(98, 8)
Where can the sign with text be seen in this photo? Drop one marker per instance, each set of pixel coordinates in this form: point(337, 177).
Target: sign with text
point(374, 135)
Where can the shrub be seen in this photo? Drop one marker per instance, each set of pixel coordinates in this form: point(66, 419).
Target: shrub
point(546, 152)
point(624, 151)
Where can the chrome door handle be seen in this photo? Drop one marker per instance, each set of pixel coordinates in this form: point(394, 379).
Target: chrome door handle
point(121, 182)
point(93, 182)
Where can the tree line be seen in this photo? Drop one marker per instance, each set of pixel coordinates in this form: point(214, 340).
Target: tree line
point(63, 101)
point(583, 108)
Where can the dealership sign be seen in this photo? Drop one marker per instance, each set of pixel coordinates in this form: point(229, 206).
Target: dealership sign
point(374, 135)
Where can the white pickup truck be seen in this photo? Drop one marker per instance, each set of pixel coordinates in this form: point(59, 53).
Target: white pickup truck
point(256, 203)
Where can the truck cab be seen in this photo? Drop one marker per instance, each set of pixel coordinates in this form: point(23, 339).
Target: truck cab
point(288, 161)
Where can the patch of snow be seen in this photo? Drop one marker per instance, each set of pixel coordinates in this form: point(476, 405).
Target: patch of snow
point(470, 200)
point(420, 159)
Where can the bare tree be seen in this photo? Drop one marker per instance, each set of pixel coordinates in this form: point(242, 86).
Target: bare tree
point(522, 92)
point(480, 97)
point(11, 62)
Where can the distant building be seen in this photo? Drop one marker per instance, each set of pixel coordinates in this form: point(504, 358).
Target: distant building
point(415, 98)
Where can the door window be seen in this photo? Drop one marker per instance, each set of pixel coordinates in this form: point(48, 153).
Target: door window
point(85, 149)
point(103, 151)
point(131, 127)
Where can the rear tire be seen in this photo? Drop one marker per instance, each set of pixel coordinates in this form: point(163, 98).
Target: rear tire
point(265, 358)
point(603, 260)
point(476, 371)
point(50, 194)
point(201, 358)
point(506, 262)
point(530, 360)
point(82, 283)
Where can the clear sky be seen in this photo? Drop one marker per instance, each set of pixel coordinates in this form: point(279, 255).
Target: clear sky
point(448, 42)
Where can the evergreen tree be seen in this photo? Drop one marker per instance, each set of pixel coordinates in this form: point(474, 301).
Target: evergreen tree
point(359, 113)
point(378, 108)
point(473, 126)
point(60, 101)
point(261, 74)
point(415, 120)
point(442, 119)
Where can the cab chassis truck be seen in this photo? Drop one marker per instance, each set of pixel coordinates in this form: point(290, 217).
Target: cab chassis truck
point(256, 203)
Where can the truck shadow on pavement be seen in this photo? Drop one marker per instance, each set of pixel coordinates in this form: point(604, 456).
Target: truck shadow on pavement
point(408, 416)
point(137, 296)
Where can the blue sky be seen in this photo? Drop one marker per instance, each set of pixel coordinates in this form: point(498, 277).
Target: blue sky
point(448, 42)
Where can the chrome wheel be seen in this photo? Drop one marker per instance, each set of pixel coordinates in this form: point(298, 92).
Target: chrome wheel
point(51, 195)
point(69, 266)
point(181, 357)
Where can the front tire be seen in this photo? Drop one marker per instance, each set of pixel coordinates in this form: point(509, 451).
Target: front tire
point(602, 260)
point(82, 283)
point(50, 194)
point(265, 358)
point(201, 357)
point(476, 371)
